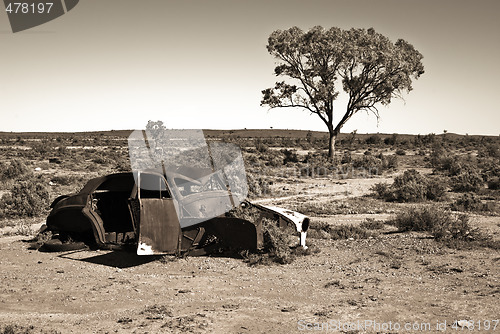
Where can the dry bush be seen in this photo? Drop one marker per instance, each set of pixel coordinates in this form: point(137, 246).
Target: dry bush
point(471, 202)
point(322, 230)
point(452, 229)
point(350, 232)
point(16, 329)
point(412, 186)
point(14, 170)
point(27, 198)
point(372, 224)
point(467, 180)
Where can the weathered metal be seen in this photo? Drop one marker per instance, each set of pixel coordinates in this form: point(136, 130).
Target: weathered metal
point(160, 214)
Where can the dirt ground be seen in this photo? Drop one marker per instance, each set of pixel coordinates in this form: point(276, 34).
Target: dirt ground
point(398, 282)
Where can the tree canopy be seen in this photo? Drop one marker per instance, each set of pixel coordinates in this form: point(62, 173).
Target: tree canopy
point(367, 65)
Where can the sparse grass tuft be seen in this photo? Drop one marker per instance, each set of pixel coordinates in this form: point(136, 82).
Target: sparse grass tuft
point(350, 232)
point(321, 230)
point(372, 224)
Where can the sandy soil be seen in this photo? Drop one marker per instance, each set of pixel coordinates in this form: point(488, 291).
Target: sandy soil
point(384, 282)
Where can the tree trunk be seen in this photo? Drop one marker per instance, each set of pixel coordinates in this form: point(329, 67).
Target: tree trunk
point(331, 144)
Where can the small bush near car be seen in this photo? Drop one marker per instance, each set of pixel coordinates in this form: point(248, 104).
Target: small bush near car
point(27, 198)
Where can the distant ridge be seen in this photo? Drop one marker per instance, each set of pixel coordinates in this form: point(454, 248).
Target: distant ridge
point(236, 133)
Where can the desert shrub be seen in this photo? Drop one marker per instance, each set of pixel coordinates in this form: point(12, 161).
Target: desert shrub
point(373, 140)
point(392, 140)
point(409, 187)
point(370, 165)
point(290, 156)
point(101, 160)
point(469, 202)
point(322, 230)
point(438, 156)
point(382, 190)
point(490, 150)
point(412, 186)
point(15, 169)
point(260, 146)
point(389, 162)
point(272, 160)
point(123, 165)
point(372, 224)
point(349, 231)
point(315, 208)
point(443, 225)
point(42, 147)
point(436, 188)
point(276, 243)
point(276, 247)
point(455, 227)
point(468, 180)
point(257, 185)
point(27, 198)
point(318, 230)
point(419, 219)
point(346, 157)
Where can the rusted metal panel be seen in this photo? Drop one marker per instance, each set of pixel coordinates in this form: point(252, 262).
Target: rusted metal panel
point(159, 228)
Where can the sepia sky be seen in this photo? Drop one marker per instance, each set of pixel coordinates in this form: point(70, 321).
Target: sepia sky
point(115, 64)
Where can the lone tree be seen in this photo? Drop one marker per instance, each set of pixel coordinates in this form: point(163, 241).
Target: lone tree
point(370, 68)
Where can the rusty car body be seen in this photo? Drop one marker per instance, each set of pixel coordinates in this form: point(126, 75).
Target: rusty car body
point(160, 212)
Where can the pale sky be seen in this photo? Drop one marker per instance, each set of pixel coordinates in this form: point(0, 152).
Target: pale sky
point(115, 64)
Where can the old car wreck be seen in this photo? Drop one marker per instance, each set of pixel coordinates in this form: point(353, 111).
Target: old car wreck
point(181, 208)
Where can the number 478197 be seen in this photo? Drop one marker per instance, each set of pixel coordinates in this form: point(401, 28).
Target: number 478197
point(29, 8)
